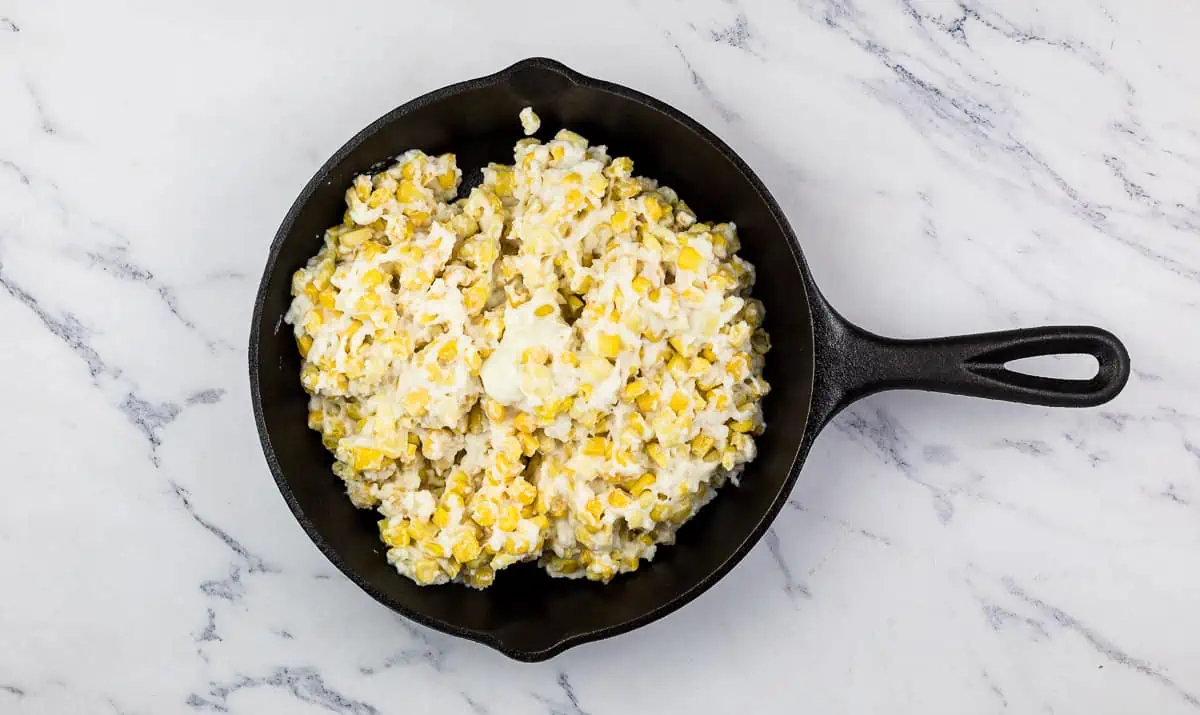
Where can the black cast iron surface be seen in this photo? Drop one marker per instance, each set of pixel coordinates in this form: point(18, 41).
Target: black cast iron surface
point(818, 364)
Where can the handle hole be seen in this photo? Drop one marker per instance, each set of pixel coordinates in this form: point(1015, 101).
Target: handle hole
point(1075, 366)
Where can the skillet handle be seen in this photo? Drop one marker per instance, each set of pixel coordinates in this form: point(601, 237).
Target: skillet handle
point(975, 365)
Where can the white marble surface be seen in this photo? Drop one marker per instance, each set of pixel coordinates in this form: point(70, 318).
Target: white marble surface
point(949, 168)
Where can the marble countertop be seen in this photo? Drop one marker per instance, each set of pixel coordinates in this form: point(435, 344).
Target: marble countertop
point(949, 168)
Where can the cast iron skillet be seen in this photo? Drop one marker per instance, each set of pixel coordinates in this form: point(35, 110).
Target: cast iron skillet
point(819, 362)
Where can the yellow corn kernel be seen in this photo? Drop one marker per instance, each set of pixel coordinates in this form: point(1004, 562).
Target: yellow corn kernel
point(647, 402)
point(595, 508)
point(446, 181)
point(421, 531)
point(657, 453)
point(654, 295)
point(642, 483)
point(483, 577)
point(659, 512)
point(377, 197)
point(304, 344)
point(537, 355)
point(441, 517)
point(557, 152)
point(609, 345)
point(425, 571)
point(597, 184)
point(701, 444)
point(408, 192)
point(689, 259)
point(484, 513)
point(678, 402)
point(416, 401)
point(642, 285)
point(395, 537)
point(738, 366)
point(474, 362)
point(475, 297)
point(621, 221)
point(367, 458)
point(633, 389)
point(585, 390)
point(742, 426)
point(677, 364)
point(523, 422)
point(466, 548)
point(458, 482)
point(449, 351)
point(327, 298)
point(494, 410)
point(524, 492)
point(595, 446)
point(620, 167)
point(654, 208)
point(509, 518)
point(418, 218)
point(543, 310)
point(619, 498)
point(699, 366)
point(626, 188)
point(529, 444)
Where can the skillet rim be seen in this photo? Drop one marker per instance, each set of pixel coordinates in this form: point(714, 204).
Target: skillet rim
point(809, 295)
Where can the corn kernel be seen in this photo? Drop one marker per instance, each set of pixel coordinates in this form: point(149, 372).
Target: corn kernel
point(741, 426)
point(595, 446)
point(678, 402)
point(654, 208)
point(466, 549)
point(595, 508)
point(689, 259)
point(621, 221)
point(647, 402)
point(529, 444)
point(494, 410)
point(484, 513)
point(642, 483)
point(509, 518)
point(657, 453)
point(642, 285)
point(366, 458)
point(619, 498)
point(425, 571)
point(609, 345)
point(448, 351)
point(416, 401)
point(633, 389)
point(524, 492)
point(408, 192)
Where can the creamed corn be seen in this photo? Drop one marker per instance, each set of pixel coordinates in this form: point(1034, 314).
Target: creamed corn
point(563, 365)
